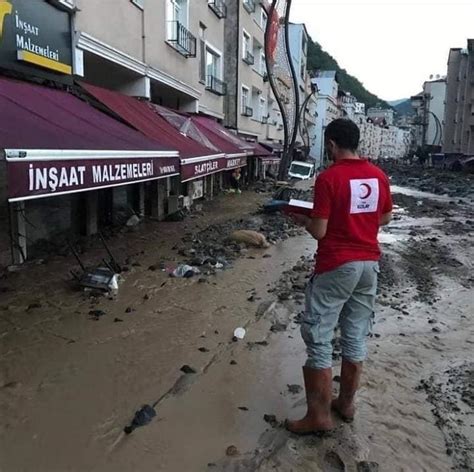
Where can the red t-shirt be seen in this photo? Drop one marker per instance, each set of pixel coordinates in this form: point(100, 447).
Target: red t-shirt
point(352, 195)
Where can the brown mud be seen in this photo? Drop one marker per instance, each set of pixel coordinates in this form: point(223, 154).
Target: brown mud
point(71, 381)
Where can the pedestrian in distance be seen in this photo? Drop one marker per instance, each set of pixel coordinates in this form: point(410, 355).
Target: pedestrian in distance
point(352, 201)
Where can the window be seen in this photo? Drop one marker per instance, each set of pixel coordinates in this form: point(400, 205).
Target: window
point(246, 46)
point(177, 33)
point(264, 19)
point(138, 3)
point(202, 53)
point(262, 110)
point(263, 64)
point(213, 72)
point(249, 5)
point(244, 101)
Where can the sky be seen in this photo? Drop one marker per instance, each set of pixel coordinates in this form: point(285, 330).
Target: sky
point(391, 46)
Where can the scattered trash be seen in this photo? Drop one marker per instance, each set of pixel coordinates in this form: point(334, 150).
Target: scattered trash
point(132, 221)
point(250, 238)
point(188, 369)
point(142, 418)
point(185, 271)
point(239, 333)
point(232, 451)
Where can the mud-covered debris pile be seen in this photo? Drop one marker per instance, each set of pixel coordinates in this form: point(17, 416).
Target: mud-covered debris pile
point(441, 182)
point(215, 245)
point(452, 396)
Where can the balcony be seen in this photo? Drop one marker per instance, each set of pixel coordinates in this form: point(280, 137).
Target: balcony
point(250, 6)
point(216, 86)
point(219, 8)
point(181, 39)
point(264, 120)
point(247, 111)
point(249, 58)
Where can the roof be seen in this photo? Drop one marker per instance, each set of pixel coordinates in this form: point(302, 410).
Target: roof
point(38, 118)
point(141, 116)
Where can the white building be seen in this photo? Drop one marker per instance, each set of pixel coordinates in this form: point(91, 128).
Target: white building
point(327, 109)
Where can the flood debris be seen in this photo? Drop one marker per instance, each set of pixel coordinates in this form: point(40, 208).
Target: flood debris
point(295, 389)
point(232, 451)
point(184, 271)
point(250, 238)
point(142, 417)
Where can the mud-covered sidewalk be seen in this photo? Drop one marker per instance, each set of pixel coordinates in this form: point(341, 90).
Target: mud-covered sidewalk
point(75, 368)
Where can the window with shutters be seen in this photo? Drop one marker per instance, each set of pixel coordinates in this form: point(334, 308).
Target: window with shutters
point(202, 53)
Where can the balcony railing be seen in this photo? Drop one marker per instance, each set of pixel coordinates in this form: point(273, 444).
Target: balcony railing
point(250, 6)
point(215, 85)
point(247, 111)
point(181, 39)
point(219, 8)
point(249, 58)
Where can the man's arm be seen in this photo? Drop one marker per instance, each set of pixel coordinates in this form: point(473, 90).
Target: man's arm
point(386, 218)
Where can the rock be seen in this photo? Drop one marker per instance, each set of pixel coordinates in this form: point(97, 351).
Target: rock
point(188, 369)
point(203, 349)
point(34, 306)
point(365, 466)
point(233, 362)
point(436, 329)
point(278, 328)
point(118, 320)
point(271, 420)
point(133, 221)
point(243, 408)
point(337, 378)
point(130, 310)
point(295, 389)
point(232, 451)
point(97, 313)
point(153, 268)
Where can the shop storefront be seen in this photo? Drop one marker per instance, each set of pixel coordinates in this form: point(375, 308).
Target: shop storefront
point(69, 167)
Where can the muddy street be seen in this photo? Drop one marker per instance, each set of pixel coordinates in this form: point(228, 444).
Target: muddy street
point(75, 368)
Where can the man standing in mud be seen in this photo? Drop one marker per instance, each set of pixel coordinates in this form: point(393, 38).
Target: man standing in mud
point(351, 201)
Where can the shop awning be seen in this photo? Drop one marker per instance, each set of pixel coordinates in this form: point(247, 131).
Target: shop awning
point(139, 115)
point(222, 138)
point(57, 144)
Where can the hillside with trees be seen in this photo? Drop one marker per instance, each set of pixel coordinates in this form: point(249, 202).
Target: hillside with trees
point(318, 59)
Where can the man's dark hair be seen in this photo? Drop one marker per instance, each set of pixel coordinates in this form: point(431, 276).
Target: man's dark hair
point(345, 133)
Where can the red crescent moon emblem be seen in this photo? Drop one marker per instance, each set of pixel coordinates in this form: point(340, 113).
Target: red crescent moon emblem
point(367, 189)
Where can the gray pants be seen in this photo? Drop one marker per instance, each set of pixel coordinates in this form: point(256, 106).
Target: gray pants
point(346, 296)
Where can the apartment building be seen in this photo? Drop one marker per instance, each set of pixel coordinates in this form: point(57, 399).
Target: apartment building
point(459, 114)
point(250, 107)
point(298, 36)
point(386, 114)
point(167, 51)
point(327, 110)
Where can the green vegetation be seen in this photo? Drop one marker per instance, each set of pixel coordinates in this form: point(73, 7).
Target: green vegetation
point(318, 59)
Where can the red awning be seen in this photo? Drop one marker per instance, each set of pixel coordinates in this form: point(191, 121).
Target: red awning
point(222, 138)
point(143, 118)
point(57, 144)
point(36, 117)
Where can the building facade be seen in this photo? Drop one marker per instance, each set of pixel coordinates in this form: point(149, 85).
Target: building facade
point(386, 114)
point(459, 114)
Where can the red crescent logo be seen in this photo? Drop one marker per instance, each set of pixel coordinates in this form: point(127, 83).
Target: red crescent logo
point(367, 189)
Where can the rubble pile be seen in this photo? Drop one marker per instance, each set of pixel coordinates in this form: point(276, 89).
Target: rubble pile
point(214, 244)
point(437, 181)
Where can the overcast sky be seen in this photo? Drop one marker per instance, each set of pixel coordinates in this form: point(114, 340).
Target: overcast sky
point(392, 46)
